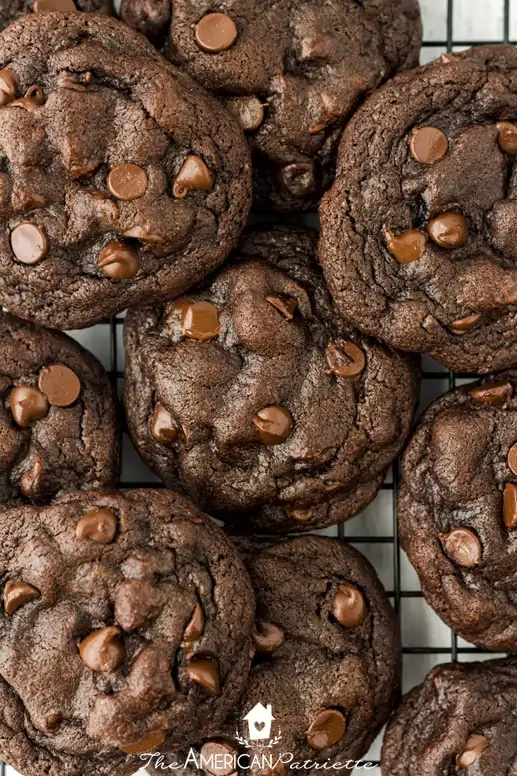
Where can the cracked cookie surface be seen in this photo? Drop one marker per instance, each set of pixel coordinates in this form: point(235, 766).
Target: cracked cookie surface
point(253, 395)
point(418, 246)
point(121, 180)
point(125, 627)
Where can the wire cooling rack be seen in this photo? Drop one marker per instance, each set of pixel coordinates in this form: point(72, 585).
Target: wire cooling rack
point(449, 25)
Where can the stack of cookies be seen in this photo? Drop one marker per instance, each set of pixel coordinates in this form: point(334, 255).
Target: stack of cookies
point(271, 380)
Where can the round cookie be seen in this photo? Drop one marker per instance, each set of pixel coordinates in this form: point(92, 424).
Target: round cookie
point(125, 628)
point(10, 10)
point(459, 720)
point(58, 428)
point(457, 509)
point(253, 396)
point(291, 72)
point(327, 662)
point(121, 180)
point(418, 246)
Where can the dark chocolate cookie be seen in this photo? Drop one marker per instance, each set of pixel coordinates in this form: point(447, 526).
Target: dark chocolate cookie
point(125, 628)
point(10, 10)
point(253, 395)
point(326, 673)
point(460, 720)
point(121, 181)
point(457, 509)
point(292, 73)
point(58, 427)
point(418, 245)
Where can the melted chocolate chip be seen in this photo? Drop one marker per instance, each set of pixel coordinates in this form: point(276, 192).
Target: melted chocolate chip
point(512, 458)
point(349, 607)
point(195, 627)
point(267, 636)
point(200, 321)
point(248, 111)
point(8, 86)
point(406, 247)
point(29, 243)
point(163, 426)
point(464, 325)
point(463, 547)
point(507, 137)
point(205, 673)
point(60, 385)
point(449, 231)
point(473, 748)
point(119, 261)
point(194, 175)
point(428, 144)
point(103, 650)
point(17, 593)
point(510, 505)
point(274, 424)
point(53, 5)
point(30, 481)
point(327, 729)
point(127, 182)
point(97, 525)
point(150, 743)
point(215, 32)
point(344, 358)
point(27, 405)
point(301, 514)
point(33, 99)
point(496, 394)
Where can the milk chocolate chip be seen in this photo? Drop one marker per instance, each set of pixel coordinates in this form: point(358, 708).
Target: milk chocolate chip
point(127, 182)
point(327, 729)
point(406, 247)
point(463, 547)
point(29, 243)
point(507, 137)
point(194, 175)
point(30, 481)
point(344, 358)
point(205, 673)
point(274, 424)
point(103, 650)
point(473, 748)
point(449, 231)
point(428, 144)
point(349, 607)
point(464, 325)
point(17, 593)
point(512, 458)
point(8, 86)
point(60, 385)
point(510, 505)
point(97, 525)
point(119, 261)
point(496, 394)
point(267, 636)
point(249, 112)
point(200, 321)
point(147, 744)
point(163, 426)
point(215, 32)
point(27, 405)
point(195, 627)
point(284, 304)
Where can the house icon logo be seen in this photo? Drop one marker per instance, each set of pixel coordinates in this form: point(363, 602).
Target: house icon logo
point(259, 720)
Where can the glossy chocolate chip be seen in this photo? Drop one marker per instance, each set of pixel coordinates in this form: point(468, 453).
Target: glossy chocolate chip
point(463, 547)
point(163, 426)
point(17, 593)
point(344, 358)
point(33, 99)
point(103, 650)
point(219, 758)
point(195, 626)
point(200, 321)
point(298, 179)
point(349, 607)
point(149, 743)
point(512, 459)
point(327, 729)
point(284, 304)
point(205, 673)
point(428, 144)
point(193, 175)
point(406, 247)
point(510, 505)
point(27, 405)
point(274, 424)
point(97, 525)
point(496, 394)
point(473, 748)
point(60, 385)
point(8, 86)
point(215, 32)
point(449, 231)
point(29, 243)
point(30, 480)
point(127, 181)
point(53, 5)
point(119, 261)
point(507, 137)
point(464, 325)
point(249, 112)
point(267, 636)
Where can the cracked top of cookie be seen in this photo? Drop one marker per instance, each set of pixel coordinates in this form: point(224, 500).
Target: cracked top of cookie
point(120, 179)
point(11, 10)
point(124, 628)
point(292, 72)
point(254, 396)
point(418, 245)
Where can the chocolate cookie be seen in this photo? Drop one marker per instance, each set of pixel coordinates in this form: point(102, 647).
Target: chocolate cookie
point(326, 672)
point(418, 245)
point(291, 72)
point(457, 509)
point(125, 628)
point(10, 10)
point(253, 396)
point(121, 181)
point(58, 427)
point(459, 720)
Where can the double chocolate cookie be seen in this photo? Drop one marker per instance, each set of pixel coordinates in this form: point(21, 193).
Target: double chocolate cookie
point(253, 396)
point(291, 72)
point(10, 10)
point(418, 245)
point(58, 427)
point(125, 628)
point(326, 672)
point(457, 510)
point(460, 720)
point(121, 181)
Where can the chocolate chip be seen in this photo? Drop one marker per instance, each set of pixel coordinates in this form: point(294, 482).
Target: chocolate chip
point(510, 505)
point(27, 404)
point(428, 144)
point(248, 111)
point(215, 32)
point(512, 458)
point(464, 325)
point(284, 304)
point(30, 481)
point(195, 627)
point(218, 758)
point(349, 607)
point(463, 547)
point(274, 424)
point(193, 175)
point(450, 230)
point(298, 179)
point(33, 99)
point(496, 394)
point(137, 603)
point(200, 321)
point(406, 247)
point(127, 181)
point(267, 636)
point(53, 721)
point(53, 5)
point(473, 748)
point(103, 650)
point(97, 525)
point(8, 86)
point(16, 594)
point(345, 359)
point(29, 243)
point(163, 426)
point(119, 261)
point(144, 745)
point(204, 672)
point(327, 729)
point(301, 514)
point(507, 137)
point(60, 385)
